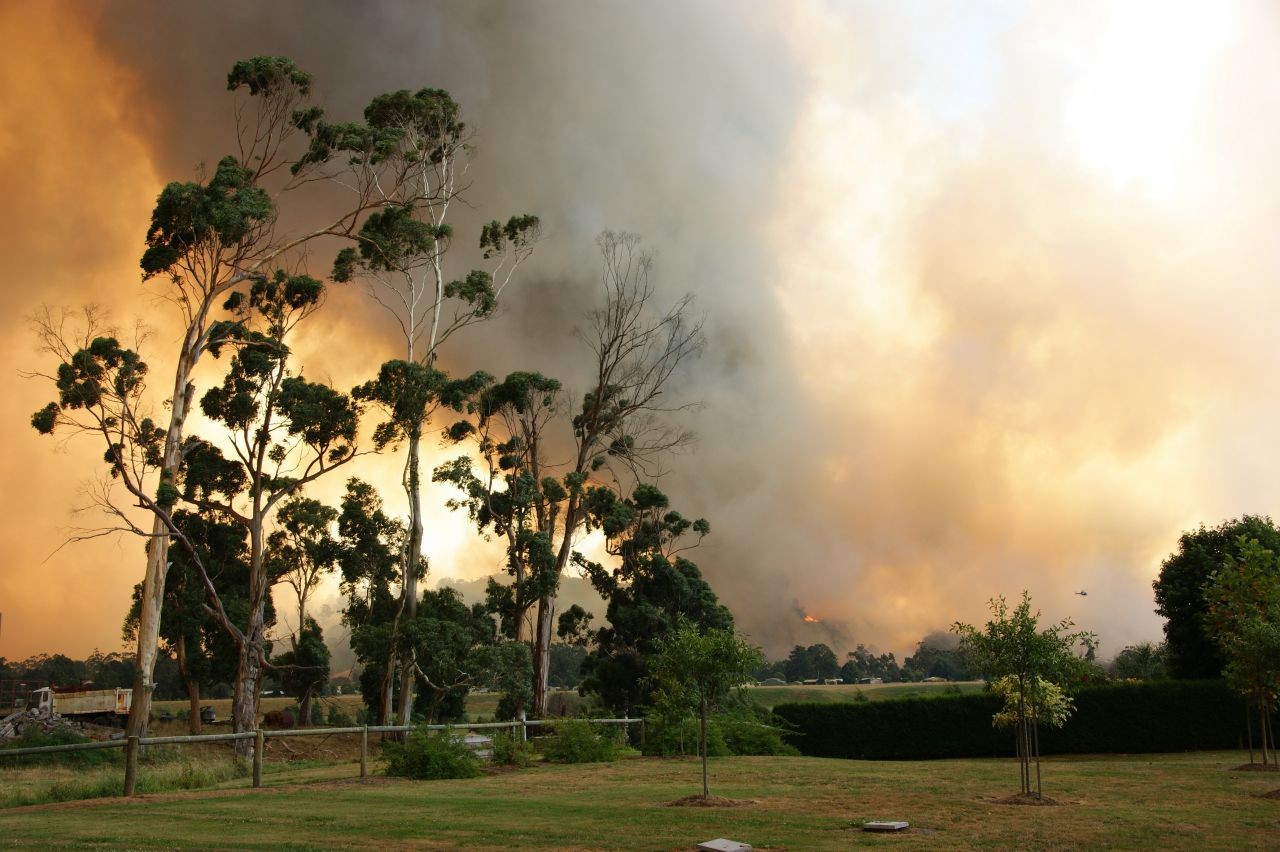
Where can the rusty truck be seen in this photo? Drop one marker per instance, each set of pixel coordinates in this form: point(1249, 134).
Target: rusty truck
point(102, 706)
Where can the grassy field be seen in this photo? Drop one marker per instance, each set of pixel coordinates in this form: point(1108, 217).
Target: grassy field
point(483, 705)
point(771, 696)
point(1187, 801)
point(479, 705)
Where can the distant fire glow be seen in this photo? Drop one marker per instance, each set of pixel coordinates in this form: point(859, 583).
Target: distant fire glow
point(809, 619)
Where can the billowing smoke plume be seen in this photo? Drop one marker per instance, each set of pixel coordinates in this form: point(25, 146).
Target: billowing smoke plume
point(973, 325)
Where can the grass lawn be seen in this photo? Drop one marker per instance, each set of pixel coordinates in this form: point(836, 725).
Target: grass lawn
point(1189, 801)
point(771, 696)
point(480, 705)
point(483, 705)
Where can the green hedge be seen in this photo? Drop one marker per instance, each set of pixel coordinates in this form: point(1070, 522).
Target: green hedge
point(1155, 716)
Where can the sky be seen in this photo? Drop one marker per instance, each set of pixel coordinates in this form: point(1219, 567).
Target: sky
point(989, 287)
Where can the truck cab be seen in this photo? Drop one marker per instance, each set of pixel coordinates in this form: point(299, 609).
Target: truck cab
point(41, 700)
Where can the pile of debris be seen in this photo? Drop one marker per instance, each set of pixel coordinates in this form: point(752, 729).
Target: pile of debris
point(19, 721)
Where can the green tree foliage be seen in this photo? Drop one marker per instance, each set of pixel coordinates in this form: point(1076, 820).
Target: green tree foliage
point(1144, 661)
point(863, 664)
point(566, 665)
point(369, 558)
point(648, 593)
point(1243, 615)
point(617, 427)
point(206, 238)
point(304, 670)
point(1032, 665)
point(302, 549)
point(285, 432)
point(1179, 589)
point(816, 661)
point(413, 144)
point(698, 670)
point(510, 497)
point(455, 648)
point(205, 654)
point(937, 655)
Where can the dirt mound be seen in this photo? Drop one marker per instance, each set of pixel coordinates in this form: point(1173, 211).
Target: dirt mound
point(1256, 767)
point(1027, 799)
point(1274, 794)
point(701, 801)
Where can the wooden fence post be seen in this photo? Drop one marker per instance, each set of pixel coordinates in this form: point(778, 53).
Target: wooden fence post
point(130, 765)
point(364, 752)
point(642, 734)
point(258, 749)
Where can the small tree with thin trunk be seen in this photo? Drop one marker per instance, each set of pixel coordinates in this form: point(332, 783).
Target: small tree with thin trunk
point(1243, 599)
point(700, 671)
point(302, 549)
point(304, 670)
point(1029, 667)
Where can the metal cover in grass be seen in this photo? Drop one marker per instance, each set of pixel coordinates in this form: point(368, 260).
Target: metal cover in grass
point(885, 825)
point(721, 844)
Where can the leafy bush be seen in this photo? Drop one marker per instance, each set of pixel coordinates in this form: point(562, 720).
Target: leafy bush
point(755, 737)
point(576, 741)
point(510, 750)
point(338, 718)
point(1153, 716)
point(422, 756)
point(668, 737)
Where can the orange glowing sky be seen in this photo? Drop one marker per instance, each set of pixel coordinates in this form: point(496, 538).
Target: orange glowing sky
point(990, 287)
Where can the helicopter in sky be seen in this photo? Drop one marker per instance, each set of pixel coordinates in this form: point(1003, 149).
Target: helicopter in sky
point(1082, 593)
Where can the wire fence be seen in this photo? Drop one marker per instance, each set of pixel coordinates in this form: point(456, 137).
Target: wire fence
point(133, 745)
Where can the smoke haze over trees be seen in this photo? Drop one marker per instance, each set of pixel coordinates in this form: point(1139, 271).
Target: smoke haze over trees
point(950, 350)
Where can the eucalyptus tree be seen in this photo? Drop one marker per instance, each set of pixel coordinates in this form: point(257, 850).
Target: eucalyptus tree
point(187, 632)
point(616, 432)
point(284, 432)
point(512, 495)
point(304, 668)
point(205, 238)
point(421, 144)
point(302, 549)
point(649, 591)
point(371, 544)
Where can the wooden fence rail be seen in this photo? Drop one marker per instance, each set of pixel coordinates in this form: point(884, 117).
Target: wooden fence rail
point(131, 745)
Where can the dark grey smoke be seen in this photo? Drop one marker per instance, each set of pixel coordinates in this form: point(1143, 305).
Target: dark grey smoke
point(668, 120)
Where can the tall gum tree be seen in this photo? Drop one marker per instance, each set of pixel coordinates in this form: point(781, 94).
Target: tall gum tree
point(399, 253)
point(283, 432)
point(205, 238)
point(617, 434)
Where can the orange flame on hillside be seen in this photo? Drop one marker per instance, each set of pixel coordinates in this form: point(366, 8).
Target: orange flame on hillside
point(809, 619)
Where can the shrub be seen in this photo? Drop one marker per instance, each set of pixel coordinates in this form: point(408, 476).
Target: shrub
point(576, 741)
point(510, 750)
point(422, 756)
point(668, 737)
point(338, 718)
point(747, 736)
